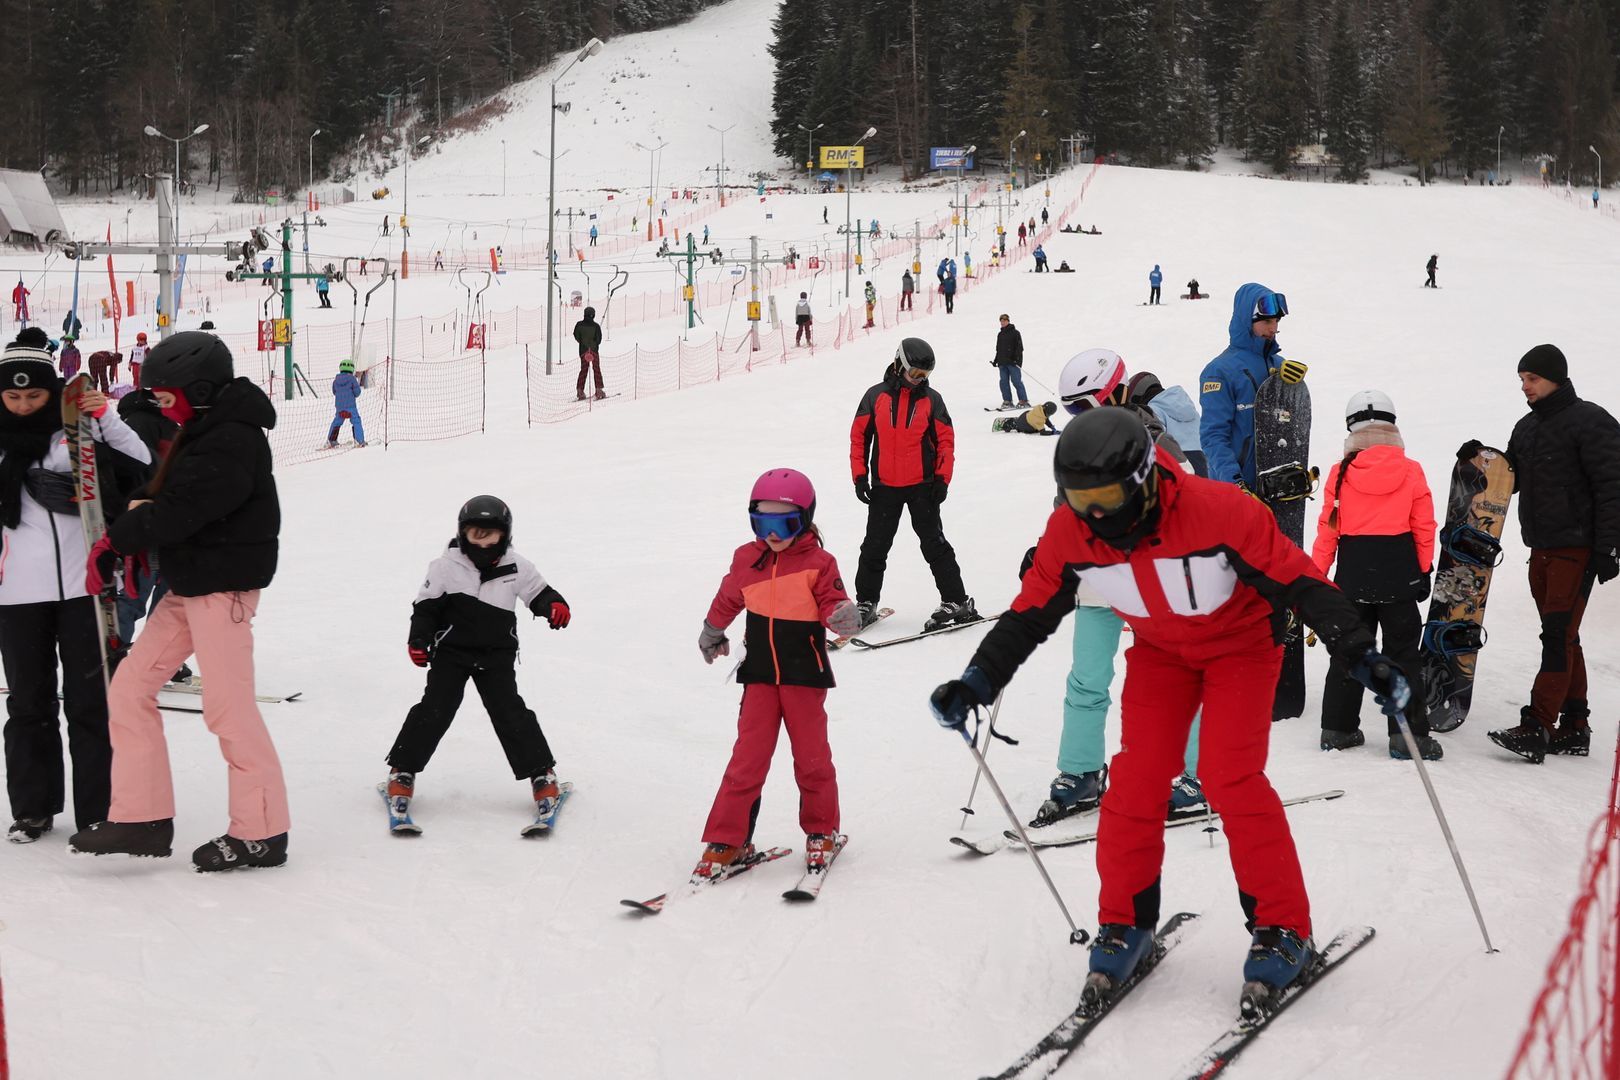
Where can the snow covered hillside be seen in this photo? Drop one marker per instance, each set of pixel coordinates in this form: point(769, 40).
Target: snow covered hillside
point(470, 952)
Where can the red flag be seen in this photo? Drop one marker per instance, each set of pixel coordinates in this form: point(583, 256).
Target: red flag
point(112, 281)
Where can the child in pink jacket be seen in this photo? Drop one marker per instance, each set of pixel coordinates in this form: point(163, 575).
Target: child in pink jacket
point(1378, 523)
point(790, 587)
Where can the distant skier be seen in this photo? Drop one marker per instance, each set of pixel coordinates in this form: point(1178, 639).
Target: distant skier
point(1023, 233)
point(908, 286)
point(1010, 360)
point(804, 321)
point(70, 358)
point(1036, 421)
point(1433, 265)
point(1040, 259)
point(385, 225)
point(438, 261)
point(588, 335)
point(463, 627)
point(1043, 215)
point(593, 236)
point(705, 236)
point(345, 390)
point(871, 303)
point(323, 290)
point(789, 586)
point(19, 303)
point(1155, 279)
point(1192, 291)
point(137, 357)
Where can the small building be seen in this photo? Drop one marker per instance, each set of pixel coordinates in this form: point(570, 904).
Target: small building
point(28, 213)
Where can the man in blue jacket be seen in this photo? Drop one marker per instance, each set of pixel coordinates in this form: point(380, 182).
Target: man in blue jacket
point(345, 389)
point(1229, 382)
point(1155, 279)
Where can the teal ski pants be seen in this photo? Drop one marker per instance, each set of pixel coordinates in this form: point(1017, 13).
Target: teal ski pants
point(1085, 697)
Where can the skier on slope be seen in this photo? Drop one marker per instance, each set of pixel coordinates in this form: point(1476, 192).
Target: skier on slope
point(1377, 523)
point(346, 391)
point(137, 357)
point(71, 358)
point(871, 303)
point(1232, 378)
point(902, 449)
point(1155, 279)
point(44, 610)
point(804, 320)
point(1096, 378)
point(1009, 361)
point(588, 335)
point(1205, 632)
point(463, 627)
point(211, 517)
point(1036, 421)
point(789, 585)
point(1431, 266)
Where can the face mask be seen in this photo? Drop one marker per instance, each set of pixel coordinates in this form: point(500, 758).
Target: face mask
point(181, 410)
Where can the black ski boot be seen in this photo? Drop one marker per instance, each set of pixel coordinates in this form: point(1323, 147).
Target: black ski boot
point(952, 613)
point(150, 839)
point(228, 853)
point(1428, 747)
point(1528, 740)
point(1573, 736)
point(1341, 740)
point(27, 830)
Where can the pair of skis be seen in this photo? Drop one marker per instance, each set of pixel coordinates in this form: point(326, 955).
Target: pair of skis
point(1057, 838)
point(863, 644)
point(400, 823)
point(807, 889)
point(1044, 1058)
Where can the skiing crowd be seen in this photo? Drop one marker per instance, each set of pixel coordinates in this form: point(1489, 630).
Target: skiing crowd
point(1163, 522)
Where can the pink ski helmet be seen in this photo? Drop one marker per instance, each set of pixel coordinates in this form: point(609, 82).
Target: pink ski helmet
point(785, 485)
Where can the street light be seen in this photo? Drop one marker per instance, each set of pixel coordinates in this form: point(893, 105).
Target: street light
point(1500, 128)
point(198, 130)
point(652, 152)
point(503, 167)
point(312, 158)
point(1001, 228)
point(592, 47)
point(961, 210)
point(722, 132)
point(849, 188)
point(1600, 167)
point(809, 156)
point(405, 213)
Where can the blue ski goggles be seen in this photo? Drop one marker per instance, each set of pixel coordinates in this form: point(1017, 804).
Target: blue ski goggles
point(1271, 305)
point(783, 526)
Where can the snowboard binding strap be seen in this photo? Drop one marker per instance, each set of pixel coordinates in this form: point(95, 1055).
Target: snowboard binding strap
point(1449, 639)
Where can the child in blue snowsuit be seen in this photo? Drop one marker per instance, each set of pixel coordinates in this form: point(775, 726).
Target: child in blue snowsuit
point(1229, 383)
point(345, 391)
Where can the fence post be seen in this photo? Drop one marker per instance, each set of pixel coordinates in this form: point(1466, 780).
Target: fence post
point(635, 377)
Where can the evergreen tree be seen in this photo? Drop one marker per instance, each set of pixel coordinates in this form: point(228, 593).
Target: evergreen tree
point(1473, 44)
point(800, 37)
point(1344, 103)
point(1418, 126)
point(1270, 95)
point(1579, 106)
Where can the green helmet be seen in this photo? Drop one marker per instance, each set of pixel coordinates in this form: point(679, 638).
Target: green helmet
point(346, 366)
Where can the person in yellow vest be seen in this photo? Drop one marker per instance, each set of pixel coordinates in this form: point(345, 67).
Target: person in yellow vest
point(1037, 421)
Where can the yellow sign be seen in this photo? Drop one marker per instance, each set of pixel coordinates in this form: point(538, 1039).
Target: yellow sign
point(163, 320)
point(843, 157)
point(686, 292)
point(753, 311)
point(283, 332)
point(916, 267)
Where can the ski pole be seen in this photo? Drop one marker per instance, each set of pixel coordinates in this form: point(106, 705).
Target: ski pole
point(1077, 936)
point(1440, 816)
point(967, 811)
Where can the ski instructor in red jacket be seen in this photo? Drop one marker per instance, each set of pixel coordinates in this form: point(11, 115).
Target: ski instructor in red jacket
point(901, 451)
point(1203, 576)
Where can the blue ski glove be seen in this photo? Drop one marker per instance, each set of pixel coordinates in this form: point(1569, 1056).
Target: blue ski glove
point(952, 701)
point(1385, 679)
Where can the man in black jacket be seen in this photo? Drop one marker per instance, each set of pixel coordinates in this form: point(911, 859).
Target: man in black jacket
point(1010, 359)
point(1566, 461)
point(588, 333)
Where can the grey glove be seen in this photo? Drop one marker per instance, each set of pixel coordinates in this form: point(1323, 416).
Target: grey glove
point(713, 643)
point(845, 618)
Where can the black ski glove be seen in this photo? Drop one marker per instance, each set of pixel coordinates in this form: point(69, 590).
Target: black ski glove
point(1607, 564)
point(1385, 679)
point(940, 489)
point(1425, 585)
point(863, 489)
point(952, 701)
point(1026, 564)
point(1467, 450)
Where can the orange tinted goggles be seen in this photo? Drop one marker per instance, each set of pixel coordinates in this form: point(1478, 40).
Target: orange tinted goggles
point(1105, 499)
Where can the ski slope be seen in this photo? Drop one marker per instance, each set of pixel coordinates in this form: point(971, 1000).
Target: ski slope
point(471, 952)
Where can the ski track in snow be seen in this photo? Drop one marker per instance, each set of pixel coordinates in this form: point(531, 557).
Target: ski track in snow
point(469, 951)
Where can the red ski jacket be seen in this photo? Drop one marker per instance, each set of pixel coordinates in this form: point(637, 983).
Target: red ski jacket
point(902, 435)
point(788, 596)
point(1215, 578)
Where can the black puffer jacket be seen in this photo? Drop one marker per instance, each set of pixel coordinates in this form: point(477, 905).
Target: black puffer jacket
point(1009, 346)
point(215, 518)
point(1566, 469)
point(140, 411)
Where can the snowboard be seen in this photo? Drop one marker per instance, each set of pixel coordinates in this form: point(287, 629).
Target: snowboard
point(1284, 480)
point(1470, 547)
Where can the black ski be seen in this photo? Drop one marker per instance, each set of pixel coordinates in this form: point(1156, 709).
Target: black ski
point(1221, 1053)
point(1044, 1057)
point(869, 645)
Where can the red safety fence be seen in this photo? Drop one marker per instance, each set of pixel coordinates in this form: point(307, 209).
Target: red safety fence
point(5, 1069)
point(1572, 1033)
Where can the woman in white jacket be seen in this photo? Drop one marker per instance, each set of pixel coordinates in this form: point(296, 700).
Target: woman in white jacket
point(44, 610)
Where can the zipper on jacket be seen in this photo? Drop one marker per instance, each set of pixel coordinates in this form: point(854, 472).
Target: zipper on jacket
point(56, 543)
point(1186, 570)
point(770, 621)
point(815, 652)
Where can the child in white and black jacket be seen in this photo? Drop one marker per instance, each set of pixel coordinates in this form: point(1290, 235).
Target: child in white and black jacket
point(463, 627)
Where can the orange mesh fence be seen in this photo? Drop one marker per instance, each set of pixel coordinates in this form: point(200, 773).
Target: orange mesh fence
point(1571, 1034)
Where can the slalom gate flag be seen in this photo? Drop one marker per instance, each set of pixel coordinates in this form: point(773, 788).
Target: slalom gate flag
point(112, 282)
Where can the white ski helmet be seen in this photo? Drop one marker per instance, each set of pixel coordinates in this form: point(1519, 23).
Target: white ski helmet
point(1093, 377)
point(1366, 407)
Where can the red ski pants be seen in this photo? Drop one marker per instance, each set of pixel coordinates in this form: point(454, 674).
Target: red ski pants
point(766, 709)
point(1560, 581)
point(1163, 692)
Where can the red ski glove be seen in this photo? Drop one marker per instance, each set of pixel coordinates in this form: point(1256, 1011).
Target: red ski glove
point(134, 566)
point(98, 568)
point(420, 654)
point(559, 615)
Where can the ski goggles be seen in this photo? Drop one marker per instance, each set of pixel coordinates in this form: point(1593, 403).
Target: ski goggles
point(1106, 499)
point(917, 374)
point(1271, 305)
point(782, 526)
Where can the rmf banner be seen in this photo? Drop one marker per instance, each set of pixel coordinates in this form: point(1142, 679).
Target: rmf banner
point(843, 157)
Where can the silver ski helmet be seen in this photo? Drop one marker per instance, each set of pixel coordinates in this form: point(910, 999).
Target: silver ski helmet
point(1367, 407)
point(1091, 378)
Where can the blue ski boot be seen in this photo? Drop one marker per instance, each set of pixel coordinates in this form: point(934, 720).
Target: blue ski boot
point(1071, 794)
point(1116, 954)
point(1277, 957)
point(1187, 797)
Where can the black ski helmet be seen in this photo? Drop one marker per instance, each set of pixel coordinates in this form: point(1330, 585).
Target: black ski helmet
point(1142, 388)
point(491, 513)
point(1102, 449)
point(914, 352)
point(192, 361)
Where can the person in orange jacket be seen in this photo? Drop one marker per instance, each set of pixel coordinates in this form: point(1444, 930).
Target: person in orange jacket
point(1378, 523)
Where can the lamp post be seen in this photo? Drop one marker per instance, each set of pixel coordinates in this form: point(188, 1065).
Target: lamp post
point(849, 189)
point(198, 130)
point(809, 156)
point(503, 168)
point(317, 131)
point(592, 47)
point(652, 156)
point(1600, 166)
point(1499, 129)
point(722, 132)
point(961, 210)
point(405, 213)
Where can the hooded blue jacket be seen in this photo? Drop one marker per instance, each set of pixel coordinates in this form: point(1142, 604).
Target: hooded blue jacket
point(345, 388)
point(1227, 391)
point(1155, 278)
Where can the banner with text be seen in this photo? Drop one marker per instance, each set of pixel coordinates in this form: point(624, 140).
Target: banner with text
point(843, 157)
point(949, 157)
